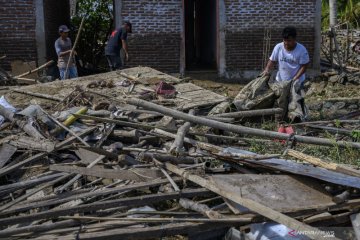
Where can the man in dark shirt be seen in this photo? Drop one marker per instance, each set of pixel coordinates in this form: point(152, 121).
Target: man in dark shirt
point(116, 42)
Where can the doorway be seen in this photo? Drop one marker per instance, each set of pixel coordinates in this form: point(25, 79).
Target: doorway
point(200, 34)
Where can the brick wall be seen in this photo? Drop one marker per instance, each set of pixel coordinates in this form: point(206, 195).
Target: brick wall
point(17, 35)
point(155, 40)
point(246, 21)
point(157, 25)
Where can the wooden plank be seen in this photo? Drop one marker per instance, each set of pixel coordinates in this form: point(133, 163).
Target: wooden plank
point(248, 203)
point(125, 202)
point(86, 156)
point(135, 174)
point(187, 87)
point(6, 152)
point(156, 232)
point(200, 104)
point(270, 191)
point(63, 198)
point(27, 183)
point(39, 156)
point(24, 142)
point(300, 169)
point(78, 176)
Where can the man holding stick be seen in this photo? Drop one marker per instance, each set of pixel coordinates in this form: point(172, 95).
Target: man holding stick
point(63, 48)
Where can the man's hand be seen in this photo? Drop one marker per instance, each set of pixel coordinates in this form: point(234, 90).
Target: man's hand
point(126, 57)
point(265, 73)
point(297, 85)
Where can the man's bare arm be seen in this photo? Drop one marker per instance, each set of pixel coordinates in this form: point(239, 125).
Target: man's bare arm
point(64, 53)
point(301, 71)
point(270, 65)
point(125, 47)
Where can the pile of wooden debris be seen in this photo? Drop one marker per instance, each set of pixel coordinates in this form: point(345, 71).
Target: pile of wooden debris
point(128, 155)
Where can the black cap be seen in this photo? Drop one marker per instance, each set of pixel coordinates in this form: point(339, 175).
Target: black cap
point(63, 28)
point(130, 26)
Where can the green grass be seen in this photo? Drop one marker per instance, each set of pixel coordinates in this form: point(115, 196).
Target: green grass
point(334, 154)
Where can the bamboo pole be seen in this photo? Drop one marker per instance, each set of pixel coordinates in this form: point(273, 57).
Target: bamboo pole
point(251, 113)
point(35, 70)
point(178, 144)
point(66, 75)
point(248, 203)
point(237, 128)
point(320, 163)
point(39, 95)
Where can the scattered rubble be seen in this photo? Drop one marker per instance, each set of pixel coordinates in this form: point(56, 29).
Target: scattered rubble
point(139, 154)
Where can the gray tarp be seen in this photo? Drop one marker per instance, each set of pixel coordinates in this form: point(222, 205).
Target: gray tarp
point(265, 92)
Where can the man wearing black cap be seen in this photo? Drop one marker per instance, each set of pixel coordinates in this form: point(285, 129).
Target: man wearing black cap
point(63, 48)
point(116, 42)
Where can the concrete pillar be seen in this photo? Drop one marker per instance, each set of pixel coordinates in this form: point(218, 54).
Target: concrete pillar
point(182, 43)
point(40, 32)
point(317, 40)
point(117, 13)
point(221, 39)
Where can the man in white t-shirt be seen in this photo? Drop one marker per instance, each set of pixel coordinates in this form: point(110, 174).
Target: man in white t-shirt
point(291, 56)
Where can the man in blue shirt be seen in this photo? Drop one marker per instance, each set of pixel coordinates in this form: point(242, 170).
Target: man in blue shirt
point(116, 42)
point(63, 48)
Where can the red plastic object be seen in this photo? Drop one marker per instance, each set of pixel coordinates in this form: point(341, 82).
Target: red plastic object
point(289, 130)
point(281, 129)
point(164, 88)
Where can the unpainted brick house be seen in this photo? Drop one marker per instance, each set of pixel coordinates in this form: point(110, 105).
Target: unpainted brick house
point(222, 35)
point(226, 36)
point(29, 29)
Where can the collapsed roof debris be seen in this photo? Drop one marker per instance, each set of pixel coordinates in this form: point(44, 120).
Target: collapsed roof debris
point(139, 154)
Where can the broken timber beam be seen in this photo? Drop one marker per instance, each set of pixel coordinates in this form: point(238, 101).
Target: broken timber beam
point(237, 128)
point(248, 203)
point(125, 202)
point(135, 174)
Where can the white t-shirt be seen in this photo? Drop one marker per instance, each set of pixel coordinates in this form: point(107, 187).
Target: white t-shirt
point(289, 61)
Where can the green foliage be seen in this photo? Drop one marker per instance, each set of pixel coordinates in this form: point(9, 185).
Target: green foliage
point(348, 11)
point(97, 26)
point(356, 135)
